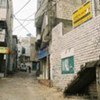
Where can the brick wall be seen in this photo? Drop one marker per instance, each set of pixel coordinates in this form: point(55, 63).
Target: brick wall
point(85, 40)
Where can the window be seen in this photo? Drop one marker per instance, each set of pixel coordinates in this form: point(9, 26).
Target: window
point(23, 50)
point(67, 65)
point(3, 3)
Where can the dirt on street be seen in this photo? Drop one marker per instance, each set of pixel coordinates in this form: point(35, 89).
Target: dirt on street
point(23, 86)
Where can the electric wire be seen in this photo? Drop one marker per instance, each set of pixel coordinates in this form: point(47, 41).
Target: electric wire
point(43, 10)
point(22, 25)
point(36, 12)
point(22, 7)
point(26, 19)
point(23, 21)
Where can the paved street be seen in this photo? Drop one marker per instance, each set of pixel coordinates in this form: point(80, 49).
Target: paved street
point(23, 86)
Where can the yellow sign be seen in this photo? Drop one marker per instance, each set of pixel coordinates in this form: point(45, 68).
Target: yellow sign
point(83, 14)
point(4, 50)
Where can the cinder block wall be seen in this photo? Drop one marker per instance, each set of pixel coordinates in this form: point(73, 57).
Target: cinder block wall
point(85, 40)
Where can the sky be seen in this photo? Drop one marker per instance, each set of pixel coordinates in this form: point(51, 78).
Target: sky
point(29, 13)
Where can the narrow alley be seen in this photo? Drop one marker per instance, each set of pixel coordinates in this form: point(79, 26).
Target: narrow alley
point(23, 86)
point(49, 49)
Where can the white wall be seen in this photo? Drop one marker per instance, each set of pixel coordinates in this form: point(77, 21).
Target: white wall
point(25, 42)
point(85, 40)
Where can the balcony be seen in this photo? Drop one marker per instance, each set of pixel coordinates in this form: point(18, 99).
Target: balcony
point(3, 17)
point(40, 12)
point(3, 14)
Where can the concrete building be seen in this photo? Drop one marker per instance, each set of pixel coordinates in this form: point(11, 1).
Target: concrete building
point(75, 56)
point(48, 15)
point(23, 50)
point(6, 24)
point(26, 50)
point(69, 54)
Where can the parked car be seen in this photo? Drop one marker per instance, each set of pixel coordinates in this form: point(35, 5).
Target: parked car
point(23, 68)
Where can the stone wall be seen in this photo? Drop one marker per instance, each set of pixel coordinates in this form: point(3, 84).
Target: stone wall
point(85, 42)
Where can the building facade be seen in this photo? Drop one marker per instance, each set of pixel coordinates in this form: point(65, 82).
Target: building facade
point(68, 44)
point(26, 50)
point(73, 53)
point(48, 15)
point(6, 24)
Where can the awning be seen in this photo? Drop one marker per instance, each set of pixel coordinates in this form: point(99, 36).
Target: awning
point(42, 53)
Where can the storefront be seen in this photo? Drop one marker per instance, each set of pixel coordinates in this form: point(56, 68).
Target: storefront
point(4, 51)
point(43, 59)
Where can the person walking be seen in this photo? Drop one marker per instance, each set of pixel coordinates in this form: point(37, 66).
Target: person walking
point(29, 69)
